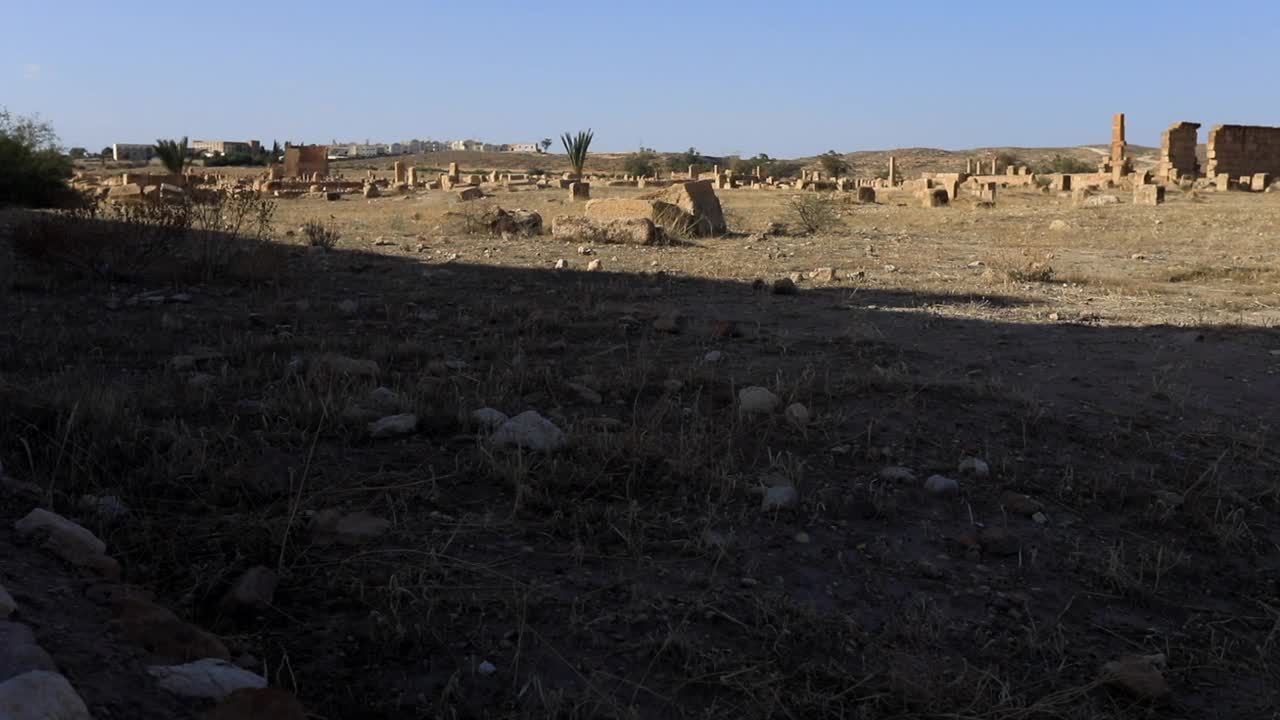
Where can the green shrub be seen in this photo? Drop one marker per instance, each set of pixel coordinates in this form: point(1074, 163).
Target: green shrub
point(1063, 164)
point(640, 163)
point(833, 164)
point(814, 212)
point(320, 235)
point(33, 172)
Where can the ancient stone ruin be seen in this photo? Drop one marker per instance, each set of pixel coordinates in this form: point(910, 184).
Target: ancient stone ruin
point(306, 160)
point(1178, 152)
point(1238, 151)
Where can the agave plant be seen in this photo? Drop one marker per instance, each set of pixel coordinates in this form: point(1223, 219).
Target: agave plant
point(576, 147)
point(172, 154)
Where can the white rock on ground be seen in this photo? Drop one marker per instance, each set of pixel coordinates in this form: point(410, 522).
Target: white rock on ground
point(384, 399)
point(19, 656)
point(208, 678)
point(780, 497)
point(757, 400)
point(974, 467)
point(487, 418)
point(530, 431)
point(393, 425)
point(713, 356)
point(40, 695)
point(68, 540)
point(941, 485)
point(798, 415)
point(587, 395)
point(255, 589)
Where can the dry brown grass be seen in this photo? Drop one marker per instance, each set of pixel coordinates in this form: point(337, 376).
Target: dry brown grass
point(634, 575)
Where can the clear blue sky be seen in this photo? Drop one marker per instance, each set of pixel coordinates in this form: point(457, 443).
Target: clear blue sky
point(785, 78)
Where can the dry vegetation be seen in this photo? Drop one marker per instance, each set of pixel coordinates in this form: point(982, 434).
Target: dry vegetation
point(1118, 375)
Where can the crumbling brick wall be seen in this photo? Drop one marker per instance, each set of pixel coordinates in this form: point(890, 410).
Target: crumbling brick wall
point(303, 160)
point(1239, 150)
point(1178, 152)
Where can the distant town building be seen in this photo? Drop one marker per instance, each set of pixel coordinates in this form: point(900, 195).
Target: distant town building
point(132, 152)
point(465, 145)
point(524, 147)
point(224, 147)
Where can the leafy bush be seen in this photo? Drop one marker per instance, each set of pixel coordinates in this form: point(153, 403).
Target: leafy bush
point(833, 163)
point(814, 212)
point(747, 166)
point(320, 235)
point(1007, 159)
point(1033, 272)
point(640, 163)
point(780, 169)
point(1063, 164)
point(32, 170)
point(133, 241)
point(680, 162)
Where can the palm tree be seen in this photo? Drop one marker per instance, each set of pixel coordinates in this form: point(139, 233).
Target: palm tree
point(172, 154)
point(576, 148)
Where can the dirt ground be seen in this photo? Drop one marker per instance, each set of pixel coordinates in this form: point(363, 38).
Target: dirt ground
point(1115, 367)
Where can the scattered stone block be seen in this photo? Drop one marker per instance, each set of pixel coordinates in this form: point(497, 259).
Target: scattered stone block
point(41, 695)
point(530, 431)
point(579, 191)
point(254, 590)
point(586, 231)
point(987, 192)
point(933, 197)
point(393, 426)
point(1259, 182)
point(1139, 675)
point(129, 192)
point(470, 193)
point(757, 400)
point(209, 679)
point(20, 653)
point(866, 195)
point(69, 541)
point(1148, 195)
point(698, 200)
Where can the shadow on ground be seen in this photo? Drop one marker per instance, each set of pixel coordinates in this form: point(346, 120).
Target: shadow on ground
point(1130, 505)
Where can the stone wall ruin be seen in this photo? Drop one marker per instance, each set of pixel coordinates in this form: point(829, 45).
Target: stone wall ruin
point(306, 160)
point(1178, 152)
point(1243, 150)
